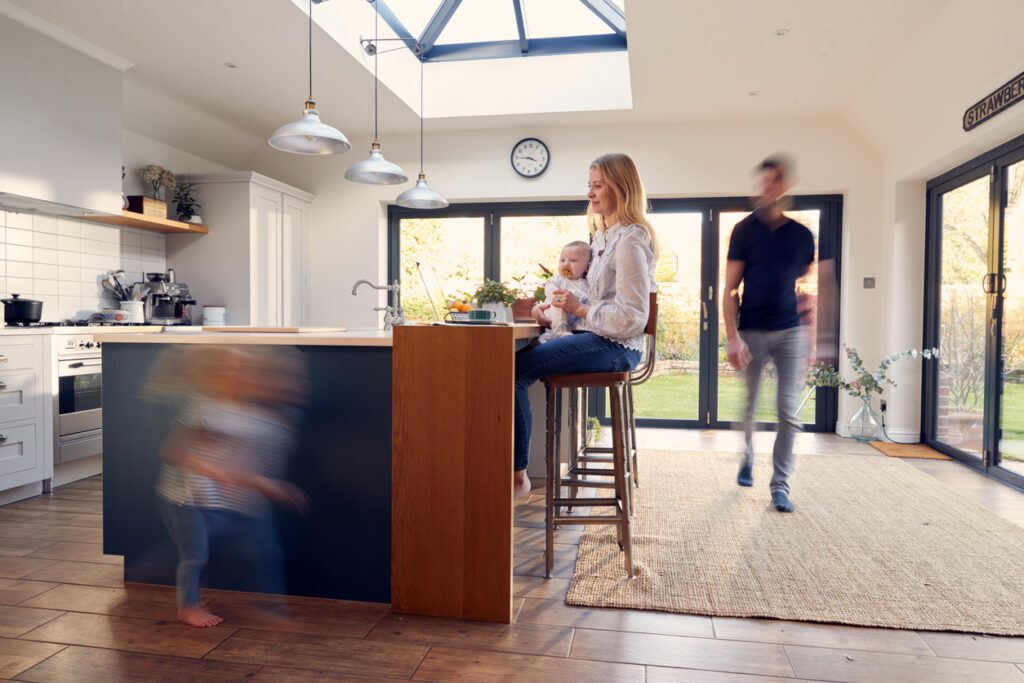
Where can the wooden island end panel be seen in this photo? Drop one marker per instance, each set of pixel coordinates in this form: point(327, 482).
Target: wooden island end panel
point(452, 417)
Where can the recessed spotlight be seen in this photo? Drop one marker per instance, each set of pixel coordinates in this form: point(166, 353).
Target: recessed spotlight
point(781, 32)
point(753, 93)
point(231, 65)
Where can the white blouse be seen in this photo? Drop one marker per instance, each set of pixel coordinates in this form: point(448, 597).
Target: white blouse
point(621, 278)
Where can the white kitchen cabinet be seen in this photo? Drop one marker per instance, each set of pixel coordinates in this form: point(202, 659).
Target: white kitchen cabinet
point(22, 442)
point(255, 259)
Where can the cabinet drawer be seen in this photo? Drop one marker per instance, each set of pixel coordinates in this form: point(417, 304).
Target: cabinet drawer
point(18, 452)
point(18, 396)
point(23, 356)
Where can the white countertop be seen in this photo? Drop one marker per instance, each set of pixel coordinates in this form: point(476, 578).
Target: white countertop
point(81, 329)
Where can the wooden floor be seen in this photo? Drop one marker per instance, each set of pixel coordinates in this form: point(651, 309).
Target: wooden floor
point(66, 616)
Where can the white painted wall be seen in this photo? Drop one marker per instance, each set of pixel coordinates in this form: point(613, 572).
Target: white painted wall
point(138, 150)
point(60, 122)
point(913, 111)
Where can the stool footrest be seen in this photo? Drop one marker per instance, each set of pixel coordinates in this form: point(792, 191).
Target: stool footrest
point(597, 449)
point(589, 519)
point(586, 483)
point(586, 457)
point(584, 502)
point(591, 472)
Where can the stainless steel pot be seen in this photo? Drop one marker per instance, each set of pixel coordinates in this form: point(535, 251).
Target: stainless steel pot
point(21, 311)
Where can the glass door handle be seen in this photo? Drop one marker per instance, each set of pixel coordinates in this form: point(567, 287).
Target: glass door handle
point(993, 283)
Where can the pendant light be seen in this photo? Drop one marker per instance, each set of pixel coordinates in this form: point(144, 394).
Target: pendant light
point(376, 170)
point(309, 135)
point(421, 196)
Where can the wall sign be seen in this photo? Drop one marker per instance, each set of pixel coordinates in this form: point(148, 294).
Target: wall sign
point(1000, 100)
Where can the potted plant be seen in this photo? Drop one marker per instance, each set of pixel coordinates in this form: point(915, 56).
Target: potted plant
point(497, 297)
point(158, 178)
point(186, 204)
point(593, 431)
point(527, 295)
point(864, 424)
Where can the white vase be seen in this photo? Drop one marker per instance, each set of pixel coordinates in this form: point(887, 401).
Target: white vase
point(502, 313)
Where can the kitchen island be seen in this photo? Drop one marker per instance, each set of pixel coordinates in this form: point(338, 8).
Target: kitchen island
point(442, 395)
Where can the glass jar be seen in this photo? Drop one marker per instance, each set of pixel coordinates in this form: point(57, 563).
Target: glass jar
point(864, 423)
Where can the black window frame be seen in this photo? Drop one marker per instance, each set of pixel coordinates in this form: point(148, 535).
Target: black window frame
point(829, 243)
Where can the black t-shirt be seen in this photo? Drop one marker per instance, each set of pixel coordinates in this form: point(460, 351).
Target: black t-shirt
point(773, 261)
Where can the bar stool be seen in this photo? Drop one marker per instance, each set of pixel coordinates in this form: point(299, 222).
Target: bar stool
point(622, 455)
point(615, 383)
point(641, 374)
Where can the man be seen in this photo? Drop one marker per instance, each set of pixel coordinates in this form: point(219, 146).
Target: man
point(768, 253)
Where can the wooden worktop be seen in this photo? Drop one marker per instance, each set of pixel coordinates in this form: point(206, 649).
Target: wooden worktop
point(358, 337)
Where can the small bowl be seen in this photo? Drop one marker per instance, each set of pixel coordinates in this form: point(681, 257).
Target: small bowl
point(457, 316)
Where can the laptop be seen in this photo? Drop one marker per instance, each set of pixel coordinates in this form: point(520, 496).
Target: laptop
point(435, 293)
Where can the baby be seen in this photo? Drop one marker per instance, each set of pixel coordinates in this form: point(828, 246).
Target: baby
point(572, 271)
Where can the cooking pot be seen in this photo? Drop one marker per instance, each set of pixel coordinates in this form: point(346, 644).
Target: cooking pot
point(21, 311)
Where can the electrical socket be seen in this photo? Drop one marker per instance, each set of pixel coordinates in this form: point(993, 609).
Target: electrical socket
point(883, 405)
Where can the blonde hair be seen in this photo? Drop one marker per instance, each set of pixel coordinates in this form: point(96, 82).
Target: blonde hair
point(622, 176)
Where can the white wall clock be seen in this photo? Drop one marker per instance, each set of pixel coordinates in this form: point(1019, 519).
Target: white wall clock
point(530, 157)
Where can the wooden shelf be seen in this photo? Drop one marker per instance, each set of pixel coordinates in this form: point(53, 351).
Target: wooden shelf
point(130, 219)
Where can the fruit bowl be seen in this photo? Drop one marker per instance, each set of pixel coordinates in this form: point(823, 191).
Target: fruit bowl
point(457, 316)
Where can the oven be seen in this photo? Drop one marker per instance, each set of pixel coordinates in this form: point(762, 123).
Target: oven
point(78, 405)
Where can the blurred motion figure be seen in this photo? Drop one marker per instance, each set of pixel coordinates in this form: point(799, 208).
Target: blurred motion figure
point(768, 253)
point(224, 459)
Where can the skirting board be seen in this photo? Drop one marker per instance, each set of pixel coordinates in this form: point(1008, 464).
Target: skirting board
point(901, 435)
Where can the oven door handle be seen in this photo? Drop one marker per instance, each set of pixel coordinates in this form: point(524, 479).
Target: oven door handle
point(86, 364)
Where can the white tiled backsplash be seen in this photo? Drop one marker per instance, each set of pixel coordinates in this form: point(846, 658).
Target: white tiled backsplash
point(61, 261)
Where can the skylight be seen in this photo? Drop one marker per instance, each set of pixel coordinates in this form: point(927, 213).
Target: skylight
point(479, 21)
point(554, 18)
point(492, 57)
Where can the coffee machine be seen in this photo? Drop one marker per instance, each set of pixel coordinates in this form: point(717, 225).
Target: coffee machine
point(167, 302)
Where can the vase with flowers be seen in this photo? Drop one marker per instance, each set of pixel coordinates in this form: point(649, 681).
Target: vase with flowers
point(865, 423)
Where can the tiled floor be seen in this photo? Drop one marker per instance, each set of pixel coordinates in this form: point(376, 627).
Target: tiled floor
point(66, 616)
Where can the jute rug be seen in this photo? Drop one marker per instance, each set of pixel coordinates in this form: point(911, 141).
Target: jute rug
point(873, 542)
point(909, 450)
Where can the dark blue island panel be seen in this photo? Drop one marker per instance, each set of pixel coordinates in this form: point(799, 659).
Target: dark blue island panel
point(341, 548)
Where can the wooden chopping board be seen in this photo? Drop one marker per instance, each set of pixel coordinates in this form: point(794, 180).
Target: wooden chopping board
point(288, 330)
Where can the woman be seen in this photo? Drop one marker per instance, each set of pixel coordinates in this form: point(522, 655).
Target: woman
point(621, 278)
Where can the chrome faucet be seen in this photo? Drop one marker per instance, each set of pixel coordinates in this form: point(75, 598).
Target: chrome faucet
point(393, 315)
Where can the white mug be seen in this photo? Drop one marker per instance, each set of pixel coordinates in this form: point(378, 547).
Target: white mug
point(214, 315)
point(133, 311)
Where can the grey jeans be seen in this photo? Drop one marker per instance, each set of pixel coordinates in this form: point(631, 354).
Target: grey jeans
point(788, 350)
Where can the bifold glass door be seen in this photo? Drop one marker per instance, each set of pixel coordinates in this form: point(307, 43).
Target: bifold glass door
point(974, 394)
point(693, 384)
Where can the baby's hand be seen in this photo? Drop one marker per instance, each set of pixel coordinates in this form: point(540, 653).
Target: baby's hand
point(539, 316)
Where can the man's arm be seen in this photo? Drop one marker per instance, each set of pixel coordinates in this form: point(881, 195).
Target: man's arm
point(736, 348)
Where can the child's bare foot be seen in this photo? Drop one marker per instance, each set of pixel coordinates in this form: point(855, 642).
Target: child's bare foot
point(198, 616)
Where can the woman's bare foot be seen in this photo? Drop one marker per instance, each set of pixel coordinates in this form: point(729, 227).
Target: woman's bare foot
point(521, 490)
point(198, 616)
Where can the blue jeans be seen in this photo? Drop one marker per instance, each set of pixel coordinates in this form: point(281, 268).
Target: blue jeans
point(250, 542)
point(579, 352)
point(788, 350)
